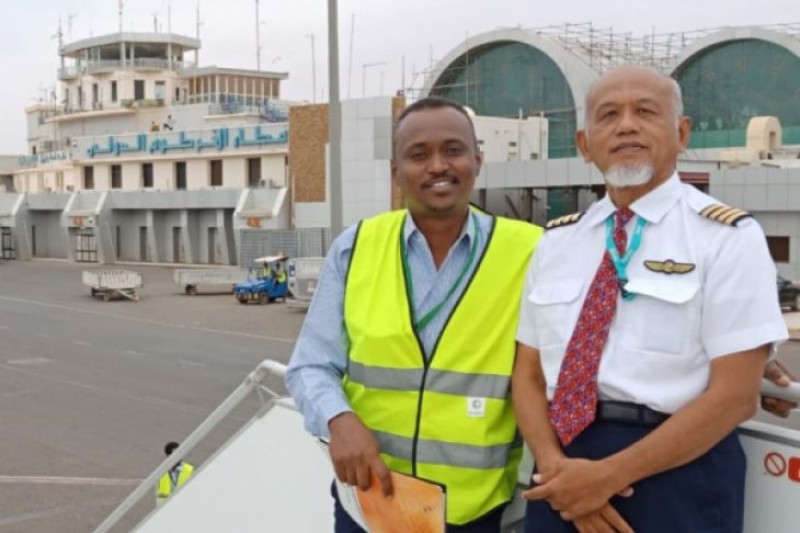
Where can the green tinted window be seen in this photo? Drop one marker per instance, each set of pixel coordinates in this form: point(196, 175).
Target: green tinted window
point(502, 78)
point(726, 85)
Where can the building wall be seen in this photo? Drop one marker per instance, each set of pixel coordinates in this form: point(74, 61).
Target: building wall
point(48, 238)
point(309, 135)
point(504, 139)
point(366, 158)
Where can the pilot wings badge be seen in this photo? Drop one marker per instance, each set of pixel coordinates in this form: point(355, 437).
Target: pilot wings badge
point(669, 267)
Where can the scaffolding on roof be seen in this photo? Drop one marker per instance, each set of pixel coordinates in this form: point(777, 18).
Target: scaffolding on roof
point(602, 48)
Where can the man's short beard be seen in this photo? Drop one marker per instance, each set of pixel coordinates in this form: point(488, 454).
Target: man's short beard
point(621, 176)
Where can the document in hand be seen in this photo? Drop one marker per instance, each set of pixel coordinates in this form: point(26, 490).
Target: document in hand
point(417, 505)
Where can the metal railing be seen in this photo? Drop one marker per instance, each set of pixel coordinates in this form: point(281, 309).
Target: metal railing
point(255, 382)
point(144, 63)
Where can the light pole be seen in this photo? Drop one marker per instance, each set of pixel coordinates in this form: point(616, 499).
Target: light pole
point(258, 40)
point(334, 121)
point(313, 69)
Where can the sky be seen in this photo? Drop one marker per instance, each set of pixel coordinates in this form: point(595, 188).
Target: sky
point(384, 36)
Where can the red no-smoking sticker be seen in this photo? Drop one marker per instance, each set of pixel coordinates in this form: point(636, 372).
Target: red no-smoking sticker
point(794, 469)
point(775, 464)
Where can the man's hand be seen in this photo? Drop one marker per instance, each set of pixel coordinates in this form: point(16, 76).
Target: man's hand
point(354, 452)
point(576, 487)
point(777, 373)
point(606, 520)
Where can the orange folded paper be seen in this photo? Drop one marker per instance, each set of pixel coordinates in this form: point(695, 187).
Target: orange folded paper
point(417, 505)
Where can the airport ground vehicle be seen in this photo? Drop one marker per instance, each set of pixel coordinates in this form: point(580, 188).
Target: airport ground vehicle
point(110, 284)
point(269, 284)
point(189, 279)
point(788, 294)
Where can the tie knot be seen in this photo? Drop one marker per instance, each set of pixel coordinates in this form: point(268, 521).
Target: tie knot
point(623, 216)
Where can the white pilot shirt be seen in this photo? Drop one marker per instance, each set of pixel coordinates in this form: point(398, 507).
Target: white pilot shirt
point(660, 343)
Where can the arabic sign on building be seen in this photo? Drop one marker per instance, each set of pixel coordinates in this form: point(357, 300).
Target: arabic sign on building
point(217, 139)
point(45, 158)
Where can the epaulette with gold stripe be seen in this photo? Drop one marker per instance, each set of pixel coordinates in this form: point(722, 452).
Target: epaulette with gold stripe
point(565, 220)
point(724, 214)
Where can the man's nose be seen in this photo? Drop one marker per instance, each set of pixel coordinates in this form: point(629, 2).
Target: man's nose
point(628, 122)
point(438, 163)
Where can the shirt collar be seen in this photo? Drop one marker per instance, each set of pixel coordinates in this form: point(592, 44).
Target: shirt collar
point(410, 229)
point(652, 207)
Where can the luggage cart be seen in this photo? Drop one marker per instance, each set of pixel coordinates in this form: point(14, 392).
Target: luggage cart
point(110, 284)
point(189, 279)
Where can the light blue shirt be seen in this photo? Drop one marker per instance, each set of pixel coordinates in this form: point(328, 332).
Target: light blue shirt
point(319, 360)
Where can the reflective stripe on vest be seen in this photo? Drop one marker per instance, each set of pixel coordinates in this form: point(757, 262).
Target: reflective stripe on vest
point(448, 453)
point(474, 385)
point(418, 409)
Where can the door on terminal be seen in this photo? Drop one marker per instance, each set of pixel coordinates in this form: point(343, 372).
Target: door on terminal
point(254, 172)
point(213, 246)
point(119, 242)
point(180, 175)
point(177, 245)
point(7, 241)
point(138, 89)
point(86, 247)
point(143, 243)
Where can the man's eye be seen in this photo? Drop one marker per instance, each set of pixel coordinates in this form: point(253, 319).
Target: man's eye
point(454, 150)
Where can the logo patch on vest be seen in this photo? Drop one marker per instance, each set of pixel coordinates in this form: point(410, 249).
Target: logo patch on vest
point(476, 407)
point(669, 267)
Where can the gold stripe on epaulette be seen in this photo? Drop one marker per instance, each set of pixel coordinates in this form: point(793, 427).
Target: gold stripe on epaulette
point(724, 214)
point(565, 220)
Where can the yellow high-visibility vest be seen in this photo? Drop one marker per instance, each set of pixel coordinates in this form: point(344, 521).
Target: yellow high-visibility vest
point(165, 485)
point(450, 419)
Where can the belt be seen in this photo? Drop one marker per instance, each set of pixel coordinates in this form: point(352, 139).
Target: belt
point(628, 413)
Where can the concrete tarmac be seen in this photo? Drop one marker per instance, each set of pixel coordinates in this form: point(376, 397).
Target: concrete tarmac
point(90, 391)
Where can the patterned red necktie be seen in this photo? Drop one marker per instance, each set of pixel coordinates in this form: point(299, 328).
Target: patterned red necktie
point(575, 399)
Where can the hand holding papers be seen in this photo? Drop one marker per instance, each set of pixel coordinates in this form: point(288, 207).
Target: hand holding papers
point(417, 505)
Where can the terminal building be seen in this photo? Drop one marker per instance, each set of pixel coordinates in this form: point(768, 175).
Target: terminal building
point(145, 156)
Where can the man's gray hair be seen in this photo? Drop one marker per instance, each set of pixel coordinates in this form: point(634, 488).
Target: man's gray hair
point(677, 95)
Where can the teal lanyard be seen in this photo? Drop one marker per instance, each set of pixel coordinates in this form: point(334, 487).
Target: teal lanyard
point(621, 263)
point(420, 324)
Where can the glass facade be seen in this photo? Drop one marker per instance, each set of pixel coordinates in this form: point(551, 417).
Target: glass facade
point(503, 78)
point(725, 86)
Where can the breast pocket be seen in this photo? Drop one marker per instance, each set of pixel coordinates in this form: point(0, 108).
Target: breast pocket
point(659, 318)
point(556, 310)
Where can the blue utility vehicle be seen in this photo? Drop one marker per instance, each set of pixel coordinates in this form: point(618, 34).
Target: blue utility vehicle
point(270, 282)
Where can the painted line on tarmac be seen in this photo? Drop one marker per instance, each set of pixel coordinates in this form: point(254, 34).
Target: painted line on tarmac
point(54, 511)
point(192, 363)
point(147, 321)
point(60, 480)
point(152, 400)
point(24, 517)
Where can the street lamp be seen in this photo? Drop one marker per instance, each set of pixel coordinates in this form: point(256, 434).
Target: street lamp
point(334, 121)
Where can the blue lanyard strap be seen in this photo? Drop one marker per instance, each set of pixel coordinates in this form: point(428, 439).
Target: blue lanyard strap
point(621, 262)
point(420, 324)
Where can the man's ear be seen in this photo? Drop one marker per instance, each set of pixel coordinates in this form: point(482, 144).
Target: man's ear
point(684, 131)
point(582, 140)
point(478, 162)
